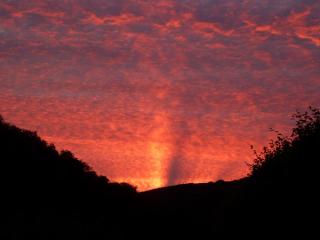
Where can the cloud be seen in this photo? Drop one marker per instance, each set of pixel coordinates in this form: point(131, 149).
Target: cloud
point(158, 92)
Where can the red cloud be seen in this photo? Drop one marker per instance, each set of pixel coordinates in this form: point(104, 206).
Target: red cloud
point(158, 92)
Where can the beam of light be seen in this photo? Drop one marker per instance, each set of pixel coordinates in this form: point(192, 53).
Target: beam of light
point(159, 148)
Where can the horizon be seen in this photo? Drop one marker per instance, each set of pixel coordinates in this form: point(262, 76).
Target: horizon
point(159, 93)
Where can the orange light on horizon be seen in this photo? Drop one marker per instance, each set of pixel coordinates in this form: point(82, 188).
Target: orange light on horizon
point(159, 148)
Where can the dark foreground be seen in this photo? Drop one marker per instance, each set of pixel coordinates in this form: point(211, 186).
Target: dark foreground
point(50, 195)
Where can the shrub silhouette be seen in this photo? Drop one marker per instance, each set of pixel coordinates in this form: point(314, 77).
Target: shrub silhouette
point(291, 158)
point(283, 183)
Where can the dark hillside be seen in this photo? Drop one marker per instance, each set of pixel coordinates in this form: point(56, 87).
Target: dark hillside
point(48, 194)
point(280, 195)
point(52, 195)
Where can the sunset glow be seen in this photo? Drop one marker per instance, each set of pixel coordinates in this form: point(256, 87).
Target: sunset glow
point(159, 92)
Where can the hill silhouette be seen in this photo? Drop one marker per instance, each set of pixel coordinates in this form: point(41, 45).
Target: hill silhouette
point(52, 195)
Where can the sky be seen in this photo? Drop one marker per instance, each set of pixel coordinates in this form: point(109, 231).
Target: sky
point(159, 92)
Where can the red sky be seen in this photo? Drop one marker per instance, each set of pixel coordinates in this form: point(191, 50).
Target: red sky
point(157, 92)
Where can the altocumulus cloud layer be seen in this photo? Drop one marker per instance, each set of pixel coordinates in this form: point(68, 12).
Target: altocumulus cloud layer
point(159, 92)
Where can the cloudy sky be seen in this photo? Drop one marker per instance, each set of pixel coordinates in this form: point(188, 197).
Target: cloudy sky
point(159, 92)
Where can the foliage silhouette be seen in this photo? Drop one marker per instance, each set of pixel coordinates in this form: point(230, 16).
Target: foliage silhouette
point(283, 158)
point(53, 195)
point(283, 182)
